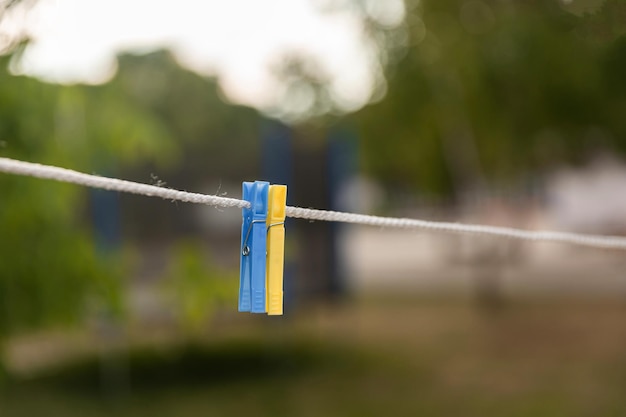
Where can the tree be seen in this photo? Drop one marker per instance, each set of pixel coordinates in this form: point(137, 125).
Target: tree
point(50, 271)
point(488, 91)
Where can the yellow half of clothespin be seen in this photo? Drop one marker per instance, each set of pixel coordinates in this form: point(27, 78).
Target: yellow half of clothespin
point(277, 200)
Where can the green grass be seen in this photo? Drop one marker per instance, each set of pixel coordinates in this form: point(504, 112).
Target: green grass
point(392, 358)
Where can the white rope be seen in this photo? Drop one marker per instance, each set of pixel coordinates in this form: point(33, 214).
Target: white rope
point(597, 241)
point(12, 166)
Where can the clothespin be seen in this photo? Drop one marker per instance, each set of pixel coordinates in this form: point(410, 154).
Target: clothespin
point(275, 249)
point(253, 248)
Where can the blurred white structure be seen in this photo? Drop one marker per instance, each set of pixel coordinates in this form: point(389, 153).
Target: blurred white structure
point(592, 199)
point(589, 200)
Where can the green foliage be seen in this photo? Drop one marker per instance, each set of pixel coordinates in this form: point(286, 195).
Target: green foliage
point(206, 128)
point(197, 287)
point(50, 270)
point(606, 24)
point(48, 263)
point(489, 91)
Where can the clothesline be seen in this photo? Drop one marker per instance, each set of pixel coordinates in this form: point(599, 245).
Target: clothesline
point(16, 167)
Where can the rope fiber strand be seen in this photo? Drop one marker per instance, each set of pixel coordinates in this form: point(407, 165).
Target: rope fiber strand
point(12, 166)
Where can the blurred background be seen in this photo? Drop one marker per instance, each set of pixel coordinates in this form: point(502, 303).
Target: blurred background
point(500, 112)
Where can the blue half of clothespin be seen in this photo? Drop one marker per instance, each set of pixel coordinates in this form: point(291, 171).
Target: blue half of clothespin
point(253, 248)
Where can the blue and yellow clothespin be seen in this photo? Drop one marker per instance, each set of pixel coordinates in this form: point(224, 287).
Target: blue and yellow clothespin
point(253, 248)
point(262, 248)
